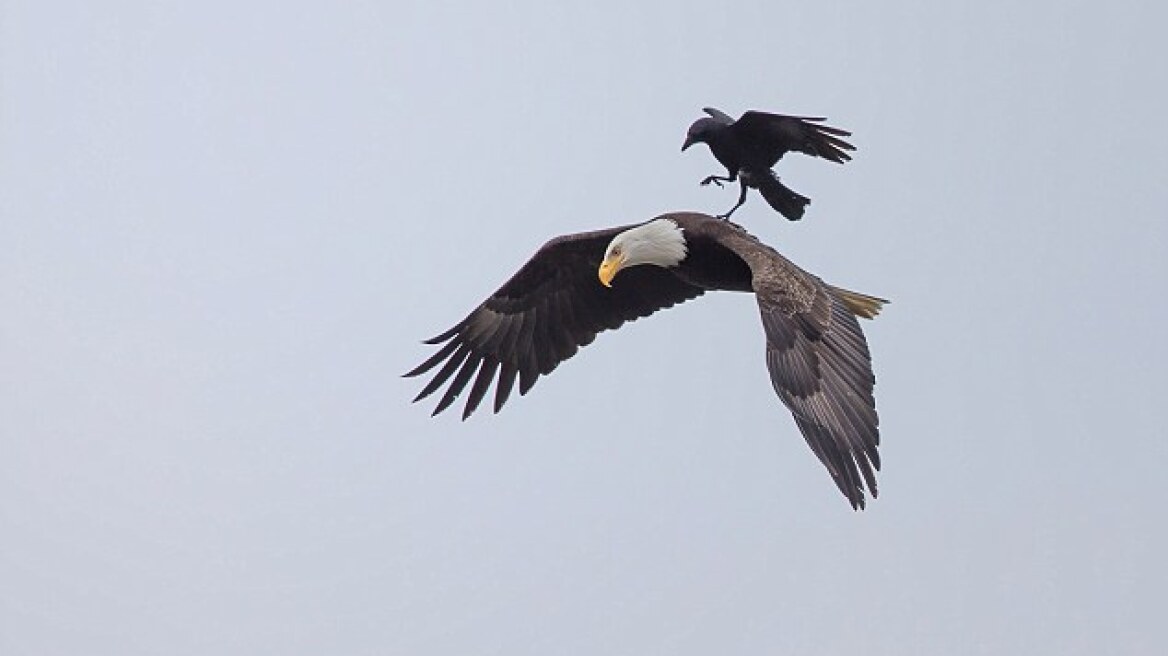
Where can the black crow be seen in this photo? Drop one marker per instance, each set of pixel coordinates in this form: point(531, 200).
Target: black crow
point(750, 147)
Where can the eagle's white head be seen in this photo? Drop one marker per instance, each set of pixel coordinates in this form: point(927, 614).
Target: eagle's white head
point(660, 242)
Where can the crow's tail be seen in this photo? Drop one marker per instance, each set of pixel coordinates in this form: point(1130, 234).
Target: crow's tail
point(785, 201)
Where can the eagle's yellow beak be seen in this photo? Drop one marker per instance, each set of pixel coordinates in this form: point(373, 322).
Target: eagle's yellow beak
point(609, 268)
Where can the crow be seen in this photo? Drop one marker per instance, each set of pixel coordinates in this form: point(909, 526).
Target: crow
point(752, 145)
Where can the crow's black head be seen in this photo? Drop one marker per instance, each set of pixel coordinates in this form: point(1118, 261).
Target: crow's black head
point(700, 131)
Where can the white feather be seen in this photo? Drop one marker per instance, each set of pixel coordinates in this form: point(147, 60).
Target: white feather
point(660, 242)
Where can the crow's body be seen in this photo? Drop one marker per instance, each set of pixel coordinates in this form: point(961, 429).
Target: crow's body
point(751, 146)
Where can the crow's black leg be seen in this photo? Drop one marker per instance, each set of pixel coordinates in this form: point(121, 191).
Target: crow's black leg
point(741, 200)
point(717, 179)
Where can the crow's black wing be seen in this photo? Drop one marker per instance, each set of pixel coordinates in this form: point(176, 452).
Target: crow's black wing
point(719, 115)
point(779, 134)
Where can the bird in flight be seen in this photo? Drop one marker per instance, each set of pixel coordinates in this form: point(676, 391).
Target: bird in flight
point(579, 285)
point(751, 146)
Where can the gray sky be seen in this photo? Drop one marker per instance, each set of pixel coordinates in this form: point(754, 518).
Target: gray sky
point(225, 228)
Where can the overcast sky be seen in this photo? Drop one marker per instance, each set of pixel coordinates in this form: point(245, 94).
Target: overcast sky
point(226, 226)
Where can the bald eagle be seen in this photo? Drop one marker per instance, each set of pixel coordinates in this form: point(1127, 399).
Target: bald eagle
point(569, 291)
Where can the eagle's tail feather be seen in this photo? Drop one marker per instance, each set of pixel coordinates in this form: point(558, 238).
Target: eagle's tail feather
point(861, 305)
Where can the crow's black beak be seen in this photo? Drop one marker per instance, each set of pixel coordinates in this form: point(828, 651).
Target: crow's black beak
point(688, 142)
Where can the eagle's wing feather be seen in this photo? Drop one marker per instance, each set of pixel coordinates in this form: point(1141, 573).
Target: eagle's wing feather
point(540, 317)
point(819, 364)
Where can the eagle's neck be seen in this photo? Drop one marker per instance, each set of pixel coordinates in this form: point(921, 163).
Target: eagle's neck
point(660, 242)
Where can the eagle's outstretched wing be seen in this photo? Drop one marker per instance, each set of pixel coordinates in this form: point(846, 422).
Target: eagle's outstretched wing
point(552, 306)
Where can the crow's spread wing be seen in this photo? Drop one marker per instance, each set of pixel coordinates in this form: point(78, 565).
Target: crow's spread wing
point(781, 134)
